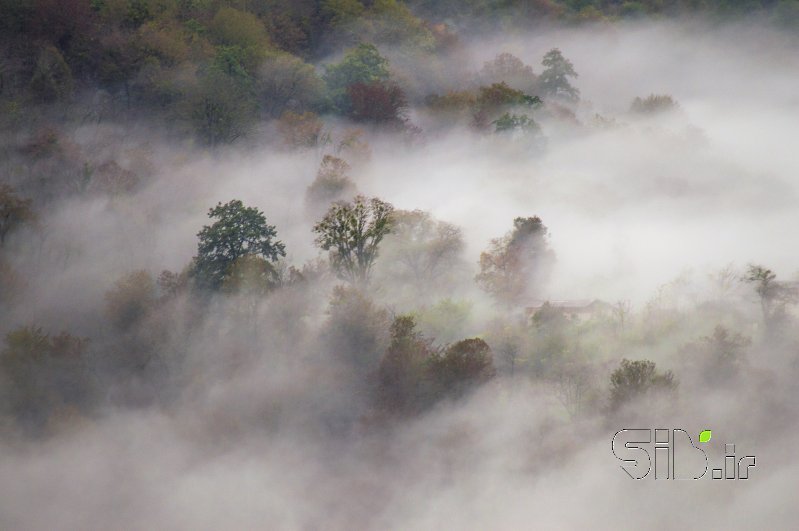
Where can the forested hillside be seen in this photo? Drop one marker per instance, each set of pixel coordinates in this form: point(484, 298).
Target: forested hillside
point(351, 264)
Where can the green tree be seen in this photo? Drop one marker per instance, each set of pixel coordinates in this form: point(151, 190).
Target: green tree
point(352, 232)
point(634, 379)
point(422, 252)
point(221, 107)
point(285, 81)
point(461, 367)
point(554, 80)
point(240, 233)
point(516, 264)
point(362, 64)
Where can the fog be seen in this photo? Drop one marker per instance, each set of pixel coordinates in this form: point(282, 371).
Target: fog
point(253, 422)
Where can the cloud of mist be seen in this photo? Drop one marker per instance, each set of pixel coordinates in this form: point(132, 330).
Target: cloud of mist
point(266, 431)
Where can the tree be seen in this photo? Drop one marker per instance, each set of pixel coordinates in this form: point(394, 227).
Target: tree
point(352, 232)
point(14, 211)
point(652, 104)
point(130, 299)
point(378, 102)
point(554, 81)
point(362, 64)
point(634, 379)
point(509, 69)
point(774, 296)
point(304, 130)
point(516, 264)
point(221, 107)
point(461, 367)
point(241, 233)
point(421, 251)
point(287, 82)
point(331, 184)
point(401, 378)
point(43, 373)
point(52, 77)
point(718, 357)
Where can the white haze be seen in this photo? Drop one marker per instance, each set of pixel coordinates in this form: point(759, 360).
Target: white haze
point(629, 208)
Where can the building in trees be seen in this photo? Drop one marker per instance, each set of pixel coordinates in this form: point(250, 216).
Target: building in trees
point(239, 242)
point(352, 232)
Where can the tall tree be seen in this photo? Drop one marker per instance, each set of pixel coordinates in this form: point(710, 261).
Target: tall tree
point(516, 264)
point(240, 234)
point(554, 80)
point(352, 232)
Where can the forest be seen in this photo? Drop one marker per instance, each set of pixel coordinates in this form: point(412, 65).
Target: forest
point(386, 264)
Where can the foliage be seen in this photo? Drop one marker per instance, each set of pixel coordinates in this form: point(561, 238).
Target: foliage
point(509, 69)
point(43, 372)
point(422, 252)
point(634, 379)
point(52, 77)
point(554, 79)
point(304, 130)
point(652, 104)
point(221, 108)
point(130, 299)
point(362, 64)
point(460, 368)
point(287, 82)
point(240, 233)
point(516, 264)
point(352, 232)
point(331, 184)
point(378, 102)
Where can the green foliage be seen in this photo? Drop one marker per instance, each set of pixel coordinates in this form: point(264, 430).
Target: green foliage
point(221, 107)
point(43, 373)
point(554, 80)
point(232, 27)
point(422, 252)
point(287, 82)
point(352, 232)
point(462, 367)
point(717, 358)
point(510, 123)
point(362, 64)
point(240, 233)
point(635, 379)
point(654, 103)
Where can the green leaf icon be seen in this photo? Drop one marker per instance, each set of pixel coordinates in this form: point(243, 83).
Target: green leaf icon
point(704, 436)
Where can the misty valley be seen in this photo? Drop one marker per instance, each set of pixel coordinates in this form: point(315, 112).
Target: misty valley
point(398, 264)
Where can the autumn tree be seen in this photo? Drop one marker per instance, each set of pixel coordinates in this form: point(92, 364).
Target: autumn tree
point(515, 265)
point(302, 130)
point(554, 79)
point(378, 102)
point(635, 379)
point(352, 232)
point(239, 241)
